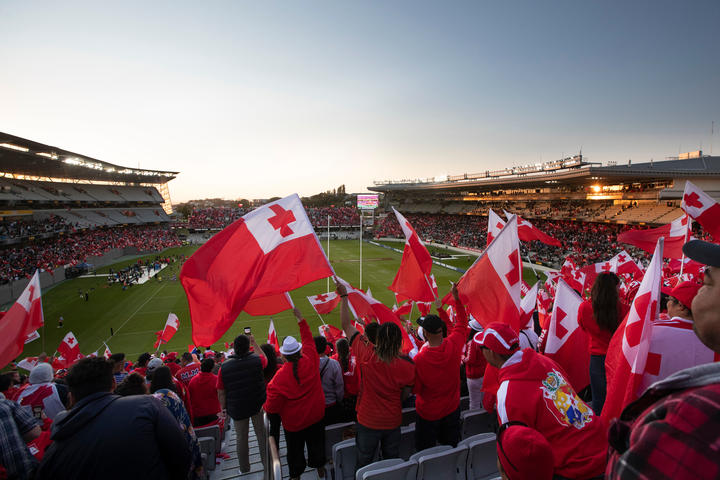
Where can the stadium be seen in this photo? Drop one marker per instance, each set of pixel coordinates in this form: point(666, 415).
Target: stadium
point(109, 250)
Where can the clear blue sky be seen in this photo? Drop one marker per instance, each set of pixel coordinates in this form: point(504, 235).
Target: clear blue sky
point(255, 99)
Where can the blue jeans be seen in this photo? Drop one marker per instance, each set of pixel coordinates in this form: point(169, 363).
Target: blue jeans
point(598, 382)
point(367, 440)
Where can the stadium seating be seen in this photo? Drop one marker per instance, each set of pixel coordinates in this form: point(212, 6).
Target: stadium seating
point(407, 441)
point(436, 463)
point(408, 415)
point(397, 471)
point(344, 460)
point(474, 422)
point(482, 455)
point(334, 434)
point(381, 464)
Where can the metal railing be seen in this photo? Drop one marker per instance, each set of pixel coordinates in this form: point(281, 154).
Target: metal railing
point(273, 468)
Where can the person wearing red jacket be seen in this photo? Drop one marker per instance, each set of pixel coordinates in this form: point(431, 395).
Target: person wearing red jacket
point(204, 394)
point(475, 364)
point(599, 318)
point(534, 390)
point(437, 380)
point(386, 378)
point(296, 394)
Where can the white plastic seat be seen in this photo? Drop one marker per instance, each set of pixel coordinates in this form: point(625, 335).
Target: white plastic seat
point(429, 451)
point(407, 441)
point(390, 462)
point(333, 435)
point(481, 458)
point(474, 422)
point(447, 464)
point(344, 458)
point(400, 471)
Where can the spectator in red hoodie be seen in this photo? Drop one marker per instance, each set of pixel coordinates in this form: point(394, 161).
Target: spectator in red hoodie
point(386, 379)
point(600, 318)
point(203, 394)
point(475, 364)
point(523, 453)
point(534, 390)
point(437, 379)
point(296, 394)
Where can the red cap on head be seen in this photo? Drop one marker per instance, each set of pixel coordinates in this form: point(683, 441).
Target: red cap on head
point(525, 454)
point(684, 292)
point(498, 337)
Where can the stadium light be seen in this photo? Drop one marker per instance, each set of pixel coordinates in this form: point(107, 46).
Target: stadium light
point(14, 147)
point(596, 188)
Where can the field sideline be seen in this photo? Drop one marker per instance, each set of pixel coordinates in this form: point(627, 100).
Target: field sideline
point(138, 312)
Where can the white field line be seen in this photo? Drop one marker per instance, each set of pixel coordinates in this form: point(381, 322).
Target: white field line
point(133, 314)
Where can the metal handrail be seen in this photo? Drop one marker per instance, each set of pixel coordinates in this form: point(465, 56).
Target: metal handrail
point(273, 467)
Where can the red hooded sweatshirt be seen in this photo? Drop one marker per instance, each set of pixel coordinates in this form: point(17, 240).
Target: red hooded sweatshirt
point(534, 390)
point(437, 372)
point(300, 405)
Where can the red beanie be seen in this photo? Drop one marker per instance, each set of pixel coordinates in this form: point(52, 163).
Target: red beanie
point(524, 453)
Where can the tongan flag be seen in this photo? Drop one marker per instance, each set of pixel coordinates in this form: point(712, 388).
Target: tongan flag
point(595, 269)
point(412, 278)
point(403, 309)
point(627, 265)
point(628, 356)
point(574, 276)
point(270, 305)
point(676, 234)
point(528, 232)
point(702, 209)
point(70, 350)
point(566, 342)
point(490, 289)
point(528, 305)
point(272, 337)
point(171, 326)
point(331, 333)
point(271, 250)
point(107, 353)
point(23, 318)
point(324, 303)
point(495, 225)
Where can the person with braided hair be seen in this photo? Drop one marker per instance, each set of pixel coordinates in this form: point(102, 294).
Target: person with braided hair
point(386, 378)
point(296, 394)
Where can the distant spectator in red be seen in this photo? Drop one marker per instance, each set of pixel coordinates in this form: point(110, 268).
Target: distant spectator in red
point(189, 368)
point(203, 394)
point(475, 364)
point(171, 363)
point(600, 317)
point(351, 377)
point(141, 365)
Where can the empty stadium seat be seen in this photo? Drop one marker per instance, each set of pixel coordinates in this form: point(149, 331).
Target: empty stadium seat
point(474, 422)
point(407, 441)
point(428, 451)
point(448, 463)
point(390, 462)
point(408, 415)
point(399, 471)
point(464, 403)
point(212, 431)
point(334, 434)
point(343, 455)
point(482, 457)
point(207, 447)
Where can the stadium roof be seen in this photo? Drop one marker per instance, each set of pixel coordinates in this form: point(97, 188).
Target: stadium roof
point(582, 174)
point(20, 156)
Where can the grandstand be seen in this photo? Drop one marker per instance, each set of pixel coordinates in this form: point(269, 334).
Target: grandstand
point(59, 208)
point(571, 188)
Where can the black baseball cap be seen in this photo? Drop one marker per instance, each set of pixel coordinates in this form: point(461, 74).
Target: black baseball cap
point(431, 323)
point(703, 252)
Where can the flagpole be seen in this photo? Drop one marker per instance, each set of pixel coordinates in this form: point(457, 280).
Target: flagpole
point(427, 280)
point(361, 235)
point(321, 319)
point(687, 235)
point(328, 251)
point(43, 338)
point(537, 277)
point(161, 342)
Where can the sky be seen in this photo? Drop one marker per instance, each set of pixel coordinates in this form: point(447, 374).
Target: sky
point(250, 99)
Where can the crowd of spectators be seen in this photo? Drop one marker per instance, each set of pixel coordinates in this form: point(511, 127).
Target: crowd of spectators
point(339, 216)
point(20, 228)
point(22, 261)
point(214, 217)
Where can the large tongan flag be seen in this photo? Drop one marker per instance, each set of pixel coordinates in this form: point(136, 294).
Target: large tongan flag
point(271, 250)
point(628, 356)
point(490, 289)
point(324, 303)
point(22, 319)
point(412, 278)
point(528, 232)
point(675, 233)
point(171, 326)
point(69, 348)
point(269, 305)
point(566, 342)
point(702, 209)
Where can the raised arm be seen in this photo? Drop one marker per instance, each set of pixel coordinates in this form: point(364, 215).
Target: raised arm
point(345, 316)
point(306, 337)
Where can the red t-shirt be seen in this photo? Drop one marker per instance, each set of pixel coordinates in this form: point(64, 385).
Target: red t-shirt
point(186, 373)
point(379, 403)
point(203, 394)
point(599, 338)
point(350, 376)
point(174, 368)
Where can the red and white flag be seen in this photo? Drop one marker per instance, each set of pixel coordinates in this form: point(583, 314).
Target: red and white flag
point(573, 275)
point(324, 303)
point(107, 353)
point(595, 269)
point(628, 356)
point(528, 305)
point(32, 337)
point(495, 275)
point(412, 278)
point(28, 363)
point(403, 309)
point(675, 233)
point(272, 337)
point(495, 225)
point(566, 342)
point(269, 305)
point(271, 250)
point(171, 326)
point(626, 264)
point(21, 320)
point(69, 349)
point(702, 209)
point(528, 232)
point(331, 333)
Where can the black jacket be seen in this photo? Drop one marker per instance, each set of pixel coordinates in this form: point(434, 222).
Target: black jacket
point(106, 436)
point(244, 385)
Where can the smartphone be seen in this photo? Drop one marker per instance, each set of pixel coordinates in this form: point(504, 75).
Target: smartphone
point(247, 330)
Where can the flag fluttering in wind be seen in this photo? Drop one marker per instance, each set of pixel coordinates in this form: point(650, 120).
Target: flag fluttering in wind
point(271, 250)
point(675, 233)
point(171, 326)
point(412, 279)
point(20, 321)
point(702, 209)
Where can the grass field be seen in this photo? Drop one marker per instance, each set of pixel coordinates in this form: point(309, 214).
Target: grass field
point(138, 312)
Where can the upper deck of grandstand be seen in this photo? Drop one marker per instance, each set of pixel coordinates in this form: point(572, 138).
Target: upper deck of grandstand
point(573, 174)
